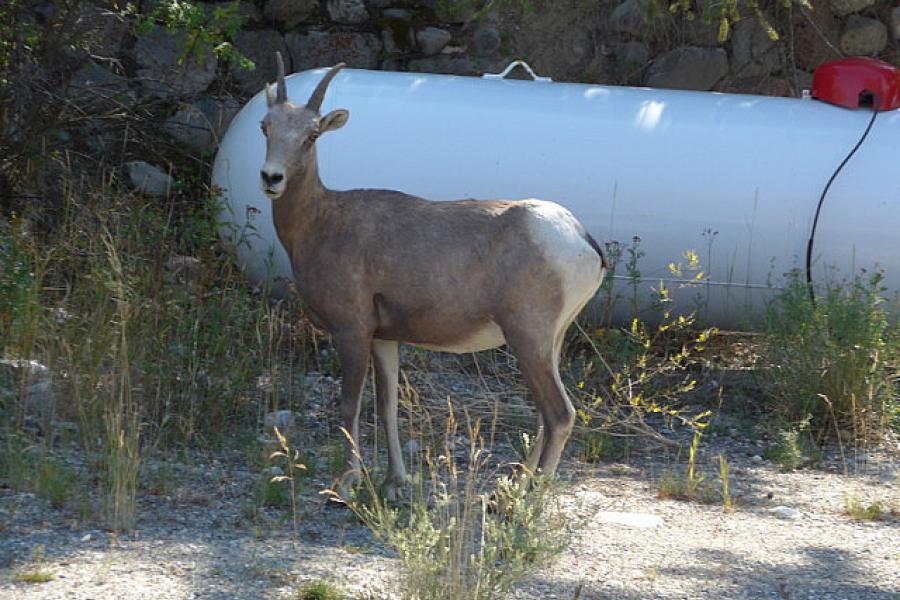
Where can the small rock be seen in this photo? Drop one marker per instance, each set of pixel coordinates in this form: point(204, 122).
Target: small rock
point(432, 40)
point(846, 7)
point(485, 40)
point(638, 520)
point(40, 399)
point(863, 36)
point(86, 537)
point(349, 12)
point(187, 269)
point(290, 13)
point(401, 14)
point(64, 426)
point(447, 11)
point(284, 420)
point(149, 180)
point(785, 512)
point(756, 458)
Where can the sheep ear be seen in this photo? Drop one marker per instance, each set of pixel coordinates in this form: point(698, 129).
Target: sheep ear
point(270, 95)
point(334, 120)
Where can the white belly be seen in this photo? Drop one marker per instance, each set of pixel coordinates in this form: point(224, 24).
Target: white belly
point(489, 336)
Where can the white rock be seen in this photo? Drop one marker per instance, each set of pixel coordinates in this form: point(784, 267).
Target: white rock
point(638, 520)
point(785, 512)
point(148, 179)
point(282, 419)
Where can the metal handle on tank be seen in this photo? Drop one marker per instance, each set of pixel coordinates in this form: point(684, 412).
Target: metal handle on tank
point(517, 63)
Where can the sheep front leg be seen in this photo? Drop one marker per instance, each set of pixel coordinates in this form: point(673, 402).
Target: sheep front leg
point(387, 372)
point(354, 355)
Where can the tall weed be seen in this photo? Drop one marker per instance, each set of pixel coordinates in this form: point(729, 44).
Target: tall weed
point(146, 324)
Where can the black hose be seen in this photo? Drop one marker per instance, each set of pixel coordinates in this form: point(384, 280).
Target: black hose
point(812, 233)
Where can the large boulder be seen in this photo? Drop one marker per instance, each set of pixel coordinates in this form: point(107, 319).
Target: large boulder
point(688, 68)
point(846, 7)
point(348, 12)
point(443, 63)
point(636, 18)
point(287, 14)
point(260, 47)
point(754, 53)
point(863, 36)
point(816, 36)
point(432, 40)
point(200, 126)
point(169, 69)
point(631, 58)
point(94, 89)
point(101, 32)
point(324, 49)
point(562, 39)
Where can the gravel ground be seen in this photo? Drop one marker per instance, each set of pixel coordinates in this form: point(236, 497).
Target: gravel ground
point(198, 535)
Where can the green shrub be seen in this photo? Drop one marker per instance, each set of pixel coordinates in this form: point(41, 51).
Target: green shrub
point(834, 362)
point(320, 590)
point(54, 482)
point(460, 538)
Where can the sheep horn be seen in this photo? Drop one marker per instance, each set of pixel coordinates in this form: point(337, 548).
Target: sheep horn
point(315, 101)
point(281, 97)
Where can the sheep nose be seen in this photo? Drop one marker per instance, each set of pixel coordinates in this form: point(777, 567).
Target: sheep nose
point(271, 178)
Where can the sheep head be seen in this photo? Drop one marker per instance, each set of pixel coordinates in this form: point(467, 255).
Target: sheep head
point(291, 132)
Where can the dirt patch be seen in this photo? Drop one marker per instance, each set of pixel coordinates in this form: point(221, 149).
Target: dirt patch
point(201, 534)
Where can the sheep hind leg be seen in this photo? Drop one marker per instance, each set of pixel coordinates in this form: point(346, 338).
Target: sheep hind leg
point(538, 359)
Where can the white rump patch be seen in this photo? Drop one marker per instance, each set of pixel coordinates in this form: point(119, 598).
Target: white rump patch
point(580, 268)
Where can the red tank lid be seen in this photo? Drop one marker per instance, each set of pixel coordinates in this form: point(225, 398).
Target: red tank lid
point(852, 82)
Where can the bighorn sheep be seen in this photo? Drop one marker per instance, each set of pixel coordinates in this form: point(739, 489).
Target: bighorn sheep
point(380, 267)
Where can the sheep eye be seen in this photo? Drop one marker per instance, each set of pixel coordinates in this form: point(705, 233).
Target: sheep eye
point(263, 128)
point(314, 136)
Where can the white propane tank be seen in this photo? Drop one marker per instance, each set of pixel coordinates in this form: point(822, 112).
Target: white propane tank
point(735, 178)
